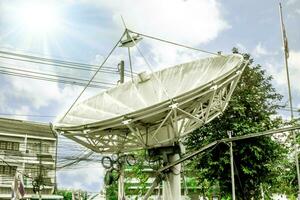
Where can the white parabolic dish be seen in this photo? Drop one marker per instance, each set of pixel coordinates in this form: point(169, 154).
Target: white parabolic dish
point(156, 109)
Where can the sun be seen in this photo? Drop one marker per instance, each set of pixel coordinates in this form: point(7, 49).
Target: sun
point(39, 18)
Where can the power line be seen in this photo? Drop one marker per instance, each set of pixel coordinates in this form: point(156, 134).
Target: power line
point(59, 63)
point(70, 82)
point(52, 75)
point(55, 62)
point(289, 109)
point(25, 115)
point(104, 70)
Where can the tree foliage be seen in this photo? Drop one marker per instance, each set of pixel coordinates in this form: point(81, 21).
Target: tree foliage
point(67, 194)
point(252, 109)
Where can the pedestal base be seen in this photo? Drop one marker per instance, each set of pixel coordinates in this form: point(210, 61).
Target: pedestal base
point(172, 182)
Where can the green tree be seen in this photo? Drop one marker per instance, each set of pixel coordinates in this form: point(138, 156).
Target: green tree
point(112, 191)
point(65, 193)
point(252, 108)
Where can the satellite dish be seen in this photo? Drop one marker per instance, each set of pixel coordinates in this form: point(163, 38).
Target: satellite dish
point(154, 110)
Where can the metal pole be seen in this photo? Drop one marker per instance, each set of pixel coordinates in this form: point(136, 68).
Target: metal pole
point(40, 194)
point(55, 165)
point(232, 167)
point(290, 97)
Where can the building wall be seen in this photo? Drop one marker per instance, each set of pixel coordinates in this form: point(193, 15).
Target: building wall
point(27, 152)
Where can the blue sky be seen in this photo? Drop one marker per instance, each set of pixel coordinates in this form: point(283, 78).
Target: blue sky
point(85, 31)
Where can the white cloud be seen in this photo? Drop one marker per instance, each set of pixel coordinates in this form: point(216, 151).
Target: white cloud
point(189, 22)
point(36, 93)
point(22, 112)
point(279, 73)
point(39, 93)
point(193, 22)
point(294, 63)
point(88, 177)
point(260, 50)
point(2, 101)
point(291, 2)
point(294, 59)
point(241, 47)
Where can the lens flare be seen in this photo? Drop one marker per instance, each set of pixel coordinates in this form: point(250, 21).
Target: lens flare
point(39, 18)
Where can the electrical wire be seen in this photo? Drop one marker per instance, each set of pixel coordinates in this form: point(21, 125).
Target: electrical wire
point(52, 75)
point(106, 71)
point(55, 80)
point(289, 109)
point(60, 63)
point(27, 115)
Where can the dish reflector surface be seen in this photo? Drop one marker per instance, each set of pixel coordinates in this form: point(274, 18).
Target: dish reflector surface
point(154, 109)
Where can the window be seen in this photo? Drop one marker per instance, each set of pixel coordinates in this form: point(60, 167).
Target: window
point(9, 145)
point(16, 146)
point(8, 170)
point(2, 145)
point(34, 170)
point(5, 145)
point(45, 148)
point(12, 170)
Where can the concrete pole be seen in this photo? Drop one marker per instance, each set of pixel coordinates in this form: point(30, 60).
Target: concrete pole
point(121, 189)
point(121, 181)
point(232, 167)
point(172, 184)
point(121, 192)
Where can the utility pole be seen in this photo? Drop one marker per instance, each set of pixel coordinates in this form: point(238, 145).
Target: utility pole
point(121, 70)
point(286, 55)
point(232, 167)
point(121, 188)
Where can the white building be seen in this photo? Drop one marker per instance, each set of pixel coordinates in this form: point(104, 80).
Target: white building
point(29, 148)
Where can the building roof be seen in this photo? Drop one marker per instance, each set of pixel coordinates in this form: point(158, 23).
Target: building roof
point(22, 127)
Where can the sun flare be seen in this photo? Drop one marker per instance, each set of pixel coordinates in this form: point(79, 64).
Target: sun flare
point(40, 18)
